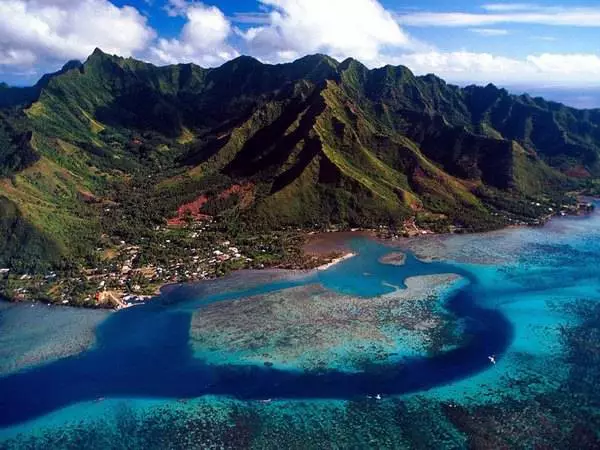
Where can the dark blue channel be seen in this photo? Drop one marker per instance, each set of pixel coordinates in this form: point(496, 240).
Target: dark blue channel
point(145, 351)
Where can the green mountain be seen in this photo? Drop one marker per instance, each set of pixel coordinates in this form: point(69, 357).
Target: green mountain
point(113, 147)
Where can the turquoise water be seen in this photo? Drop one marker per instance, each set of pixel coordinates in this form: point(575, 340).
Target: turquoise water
point(510, 359)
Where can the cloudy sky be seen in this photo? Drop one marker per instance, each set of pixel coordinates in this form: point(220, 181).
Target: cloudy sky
point(547, 43)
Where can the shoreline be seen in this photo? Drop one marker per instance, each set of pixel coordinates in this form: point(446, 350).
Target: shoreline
point(335, 261)
point(318, 246)
point(332, 240)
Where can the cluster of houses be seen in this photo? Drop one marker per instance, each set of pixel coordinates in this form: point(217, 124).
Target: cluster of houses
point(120, 286)
point(125, 282)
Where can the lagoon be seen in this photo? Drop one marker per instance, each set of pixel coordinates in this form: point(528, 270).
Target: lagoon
point(482, 335)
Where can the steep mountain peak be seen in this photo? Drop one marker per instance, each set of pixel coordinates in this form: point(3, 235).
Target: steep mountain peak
point(12, 96)
point(401, 71)
point(315, 68)
point(243, 61)
point(70, 65)
point(98, 53)
point(393, 74)
point(353, 74)
point(318, 58)
point(351, 63)
point(433, 78)
point(491, 87)
point(98, 57)
point(488, 89)
point(73, 64)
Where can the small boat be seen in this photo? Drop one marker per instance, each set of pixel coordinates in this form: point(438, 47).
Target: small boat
point(492, 359)
point(378, 396)
point(267, 400)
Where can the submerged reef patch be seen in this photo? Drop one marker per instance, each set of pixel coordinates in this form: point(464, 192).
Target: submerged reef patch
point(394, 258)
point(35, 333)
point(310, 327)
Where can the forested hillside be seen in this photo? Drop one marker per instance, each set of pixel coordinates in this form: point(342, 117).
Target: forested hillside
point(113, 149)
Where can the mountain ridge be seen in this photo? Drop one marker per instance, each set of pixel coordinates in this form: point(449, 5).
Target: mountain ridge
point(313, 142)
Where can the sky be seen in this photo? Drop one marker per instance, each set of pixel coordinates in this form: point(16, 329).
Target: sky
point(542, 45)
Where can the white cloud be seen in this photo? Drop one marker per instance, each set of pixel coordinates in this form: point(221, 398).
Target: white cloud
point(176, 7)
point(463, 66)
point(38, 31)
point(489, 31)
point(254, 18)
point(507, 13)
point(42, 33)
point(361, 28)
point(203, 39)
point(567, 65)
point(504, 7)
point(15, 57)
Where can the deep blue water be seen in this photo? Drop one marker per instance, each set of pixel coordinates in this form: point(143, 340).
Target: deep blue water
point(145, 351)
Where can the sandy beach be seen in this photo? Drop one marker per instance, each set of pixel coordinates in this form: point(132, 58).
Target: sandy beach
point(336, 261)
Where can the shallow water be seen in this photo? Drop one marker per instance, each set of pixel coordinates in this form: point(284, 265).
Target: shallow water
point(525, 298)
